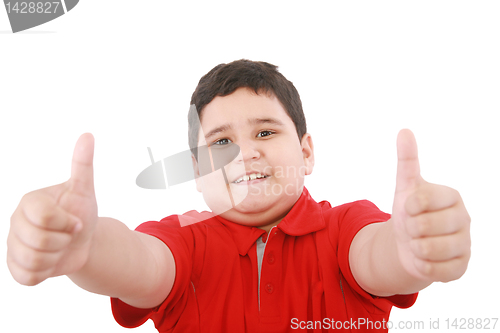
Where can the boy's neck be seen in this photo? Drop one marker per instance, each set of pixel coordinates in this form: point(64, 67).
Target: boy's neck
point(268, 227)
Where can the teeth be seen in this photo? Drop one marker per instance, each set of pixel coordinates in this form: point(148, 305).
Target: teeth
point(252, 176)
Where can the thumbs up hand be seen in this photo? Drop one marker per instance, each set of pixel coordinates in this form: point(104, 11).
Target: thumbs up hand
point(51, 229)
point(430, 221)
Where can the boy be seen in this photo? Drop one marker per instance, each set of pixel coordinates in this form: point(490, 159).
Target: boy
point(269, 258)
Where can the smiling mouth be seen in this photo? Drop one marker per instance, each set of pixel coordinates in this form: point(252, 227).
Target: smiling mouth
point(252, 176)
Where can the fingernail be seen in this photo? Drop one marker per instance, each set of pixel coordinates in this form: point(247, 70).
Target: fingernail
point(78, 227)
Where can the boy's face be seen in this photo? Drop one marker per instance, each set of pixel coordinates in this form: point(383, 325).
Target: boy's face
point(269, 150)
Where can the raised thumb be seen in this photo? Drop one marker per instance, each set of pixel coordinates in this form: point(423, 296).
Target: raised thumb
point(82, 169)
point(408, 170)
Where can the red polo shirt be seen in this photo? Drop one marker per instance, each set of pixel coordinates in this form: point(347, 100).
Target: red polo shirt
point(305, 284)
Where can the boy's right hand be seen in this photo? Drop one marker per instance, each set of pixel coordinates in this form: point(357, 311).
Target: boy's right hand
point(51, 229)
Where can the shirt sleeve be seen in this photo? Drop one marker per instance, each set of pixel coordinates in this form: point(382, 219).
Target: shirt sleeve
point(180, 242)
point(356, 216)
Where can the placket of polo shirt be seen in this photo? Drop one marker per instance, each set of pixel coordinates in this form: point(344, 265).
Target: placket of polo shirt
point(271, 271)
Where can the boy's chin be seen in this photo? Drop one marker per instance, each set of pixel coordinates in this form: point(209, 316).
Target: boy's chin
point(256, 212)
point(248, 202)
point(254, 205)
point(248, 208)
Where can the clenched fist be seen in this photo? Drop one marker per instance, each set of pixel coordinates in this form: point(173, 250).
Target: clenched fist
point(431, 222)
point(51, 229)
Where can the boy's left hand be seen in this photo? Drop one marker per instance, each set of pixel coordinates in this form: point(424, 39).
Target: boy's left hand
point(431, 223)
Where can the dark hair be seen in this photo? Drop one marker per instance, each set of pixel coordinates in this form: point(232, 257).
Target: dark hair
point(260, 76)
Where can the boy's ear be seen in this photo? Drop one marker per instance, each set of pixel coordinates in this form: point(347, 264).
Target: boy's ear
point(308, 152)
point(196, 173)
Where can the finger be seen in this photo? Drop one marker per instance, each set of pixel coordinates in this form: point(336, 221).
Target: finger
point(23, 276)
point(82, 170)
point(431, 197)
point(43, 212)
point(438, 223)
point(408, 170)
point(37, 238)
point(441, 248)
point(29, 259)
point(444, 271)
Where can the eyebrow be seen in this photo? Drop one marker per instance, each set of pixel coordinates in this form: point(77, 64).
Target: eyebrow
point(217, 130)
point(252, 121)
point(258, 121)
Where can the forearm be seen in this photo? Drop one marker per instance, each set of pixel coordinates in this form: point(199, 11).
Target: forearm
point(376, 265)
point(124, 264)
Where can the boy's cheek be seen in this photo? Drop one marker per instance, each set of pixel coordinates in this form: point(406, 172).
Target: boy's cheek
point(198, 184)
point(238, 193)
point(216, 193)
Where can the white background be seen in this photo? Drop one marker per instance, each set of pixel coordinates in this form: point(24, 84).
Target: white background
point(125, 71)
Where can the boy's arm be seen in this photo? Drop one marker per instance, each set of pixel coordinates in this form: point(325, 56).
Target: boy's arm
point(135, 267)
point(427, 238)
point(56, 231)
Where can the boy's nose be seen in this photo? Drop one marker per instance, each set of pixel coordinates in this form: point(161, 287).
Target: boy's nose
point(248, 152)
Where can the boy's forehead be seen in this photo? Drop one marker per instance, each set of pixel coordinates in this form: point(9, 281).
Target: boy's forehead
point(243, 107)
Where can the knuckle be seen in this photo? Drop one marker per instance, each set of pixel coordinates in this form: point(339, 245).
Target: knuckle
point(456, 271)
point(455, 194)
point(424, 247)
point(423, 224)
point(448, 224)
point(422, 200)
point(21, 274)
point(465, 261)
point(426, 268)
point(468, 245)
point(34, 260)
point(31, 279)
point(43, 241)
point(26, 198)
point(14, 219)
point(27, 278)
point(465, 241)
point(45, 216)
point(40, 211)
point(459, 273)
point(466, 216)
point(24, 278)
point(29, 199)
point(446, 249)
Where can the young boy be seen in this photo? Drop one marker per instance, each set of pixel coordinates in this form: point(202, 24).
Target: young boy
point(268, 258)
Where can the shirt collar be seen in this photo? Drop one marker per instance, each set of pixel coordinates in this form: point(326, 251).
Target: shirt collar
point(304, 217)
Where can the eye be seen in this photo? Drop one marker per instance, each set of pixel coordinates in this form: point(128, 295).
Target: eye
point(221, 142)
point(264, 133)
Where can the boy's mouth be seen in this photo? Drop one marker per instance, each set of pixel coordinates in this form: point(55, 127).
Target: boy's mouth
point(250, 177)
